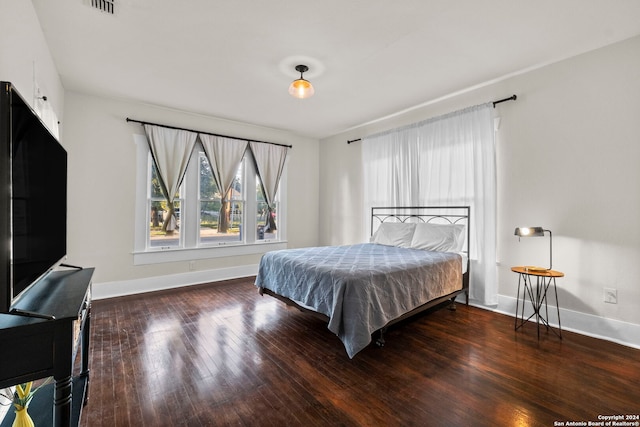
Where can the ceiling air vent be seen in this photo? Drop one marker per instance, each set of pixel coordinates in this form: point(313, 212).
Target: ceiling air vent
point(103, 5)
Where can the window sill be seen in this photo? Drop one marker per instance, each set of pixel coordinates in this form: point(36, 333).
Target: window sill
point(189, 254)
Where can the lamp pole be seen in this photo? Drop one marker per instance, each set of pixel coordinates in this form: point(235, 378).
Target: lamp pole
point(550, 249)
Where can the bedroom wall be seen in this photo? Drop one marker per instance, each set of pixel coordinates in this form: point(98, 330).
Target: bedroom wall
point(102, 177)
point(567, 153)
point(25, 60)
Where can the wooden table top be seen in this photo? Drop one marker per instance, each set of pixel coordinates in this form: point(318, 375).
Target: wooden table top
point(536, 271)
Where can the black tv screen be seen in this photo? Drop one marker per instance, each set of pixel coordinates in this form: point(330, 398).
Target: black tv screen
point(38, 192)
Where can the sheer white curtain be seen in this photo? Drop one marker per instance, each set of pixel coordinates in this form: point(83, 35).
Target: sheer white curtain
point(224, 155)
point(171, 149)
point(444, 161)
point(270, 159)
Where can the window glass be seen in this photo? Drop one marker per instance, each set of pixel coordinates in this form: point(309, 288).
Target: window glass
point(164, 220)
point(266, 228)
point(221, 216)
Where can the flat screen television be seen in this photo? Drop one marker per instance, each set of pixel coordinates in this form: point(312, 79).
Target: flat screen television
point(33, 203)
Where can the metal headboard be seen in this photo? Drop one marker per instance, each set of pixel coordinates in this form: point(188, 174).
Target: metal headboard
point(426, 214)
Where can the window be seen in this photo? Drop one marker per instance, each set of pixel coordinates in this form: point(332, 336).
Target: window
point(447, 160)
point(204, 223)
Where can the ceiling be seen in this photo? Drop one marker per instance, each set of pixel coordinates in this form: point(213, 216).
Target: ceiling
point(367, 58)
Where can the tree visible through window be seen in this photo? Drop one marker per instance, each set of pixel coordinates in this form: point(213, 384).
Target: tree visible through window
point(196, 194)
point(201, 216)
point(164, 224)
point(221, 215)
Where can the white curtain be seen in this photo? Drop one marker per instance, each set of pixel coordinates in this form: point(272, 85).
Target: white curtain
point(447, 160)
point(270, 159)
point(171, 149)
point(224, 155)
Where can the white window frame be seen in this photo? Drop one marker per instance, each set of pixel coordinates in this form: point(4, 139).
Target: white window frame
point(189, 216)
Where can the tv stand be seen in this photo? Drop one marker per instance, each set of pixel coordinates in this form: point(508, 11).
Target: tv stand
point(25, 313)
point(34, 347)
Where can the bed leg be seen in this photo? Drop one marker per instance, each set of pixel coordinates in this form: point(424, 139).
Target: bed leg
point(380, 340)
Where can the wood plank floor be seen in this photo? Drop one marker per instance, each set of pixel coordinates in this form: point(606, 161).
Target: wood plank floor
point(220, 354)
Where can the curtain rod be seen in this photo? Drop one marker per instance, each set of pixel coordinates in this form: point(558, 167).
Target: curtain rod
point(511, 98)
point(208, 133)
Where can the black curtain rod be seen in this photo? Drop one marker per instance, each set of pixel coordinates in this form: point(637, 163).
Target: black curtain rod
point(208, 133)
point(511, 98)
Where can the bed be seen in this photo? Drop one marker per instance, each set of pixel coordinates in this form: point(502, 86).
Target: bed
point(417, 258)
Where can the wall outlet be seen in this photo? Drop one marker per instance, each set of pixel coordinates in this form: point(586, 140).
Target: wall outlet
point(611, 295)
point(192, 265)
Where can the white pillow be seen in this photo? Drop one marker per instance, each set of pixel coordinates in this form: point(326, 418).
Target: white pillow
point(439, 237)
point(394, 234)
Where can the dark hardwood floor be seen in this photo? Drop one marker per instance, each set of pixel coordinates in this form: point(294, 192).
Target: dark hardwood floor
point(221, 354)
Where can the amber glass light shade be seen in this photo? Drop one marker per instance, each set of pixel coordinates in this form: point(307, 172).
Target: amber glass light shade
point(301, 88)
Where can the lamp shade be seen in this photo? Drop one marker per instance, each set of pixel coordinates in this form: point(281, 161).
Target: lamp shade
point(529, 232)
point(301, 88)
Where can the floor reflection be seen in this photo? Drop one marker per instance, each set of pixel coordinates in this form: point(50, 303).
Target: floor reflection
point(211, 355)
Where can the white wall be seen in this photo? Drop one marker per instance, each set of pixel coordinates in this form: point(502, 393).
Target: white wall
point(567, 159)
point(25, 60)
point(102, 177)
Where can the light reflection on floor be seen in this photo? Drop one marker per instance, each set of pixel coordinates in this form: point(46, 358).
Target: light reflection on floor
point(215, 349)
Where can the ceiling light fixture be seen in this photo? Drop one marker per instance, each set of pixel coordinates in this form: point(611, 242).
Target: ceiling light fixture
point(301, 88)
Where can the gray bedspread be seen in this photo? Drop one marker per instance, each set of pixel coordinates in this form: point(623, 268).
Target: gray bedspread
point(361, 287)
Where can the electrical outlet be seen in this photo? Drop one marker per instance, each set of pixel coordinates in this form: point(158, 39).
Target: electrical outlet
point(192, 265)
point(611, 295)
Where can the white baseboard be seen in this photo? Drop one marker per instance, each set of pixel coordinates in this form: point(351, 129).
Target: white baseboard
point(149, 284)
point(617, 331)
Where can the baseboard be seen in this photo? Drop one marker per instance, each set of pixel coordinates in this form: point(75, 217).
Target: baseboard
point(150, 284)
point(617, 331)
